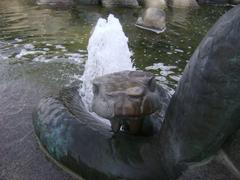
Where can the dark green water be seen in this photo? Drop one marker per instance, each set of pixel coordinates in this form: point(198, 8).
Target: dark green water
point(48, 45)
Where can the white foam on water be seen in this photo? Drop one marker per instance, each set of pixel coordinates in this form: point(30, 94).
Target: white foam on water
point(42, 59)
point(68, 57)
point(158, 31)
point(29, 46)
point(59, 46)
point(18, 40)
point(25, 52)
point(77, 57)
point(160, 66)
point(46, 49)
point(108, 52)
point(179, 50)
point(175, 78)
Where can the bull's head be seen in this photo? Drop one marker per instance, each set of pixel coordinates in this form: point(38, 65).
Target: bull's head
point(125, 98)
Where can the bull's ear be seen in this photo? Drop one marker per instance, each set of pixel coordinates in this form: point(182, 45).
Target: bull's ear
point(152, 84)
point(95, 88)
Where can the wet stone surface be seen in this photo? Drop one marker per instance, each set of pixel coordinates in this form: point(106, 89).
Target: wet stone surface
point(20, 155)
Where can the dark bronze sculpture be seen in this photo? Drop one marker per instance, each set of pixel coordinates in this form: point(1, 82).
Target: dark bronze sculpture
point(202, 114)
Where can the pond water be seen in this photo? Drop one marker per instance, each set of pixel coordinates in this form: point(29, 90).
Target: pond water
point(43, 49)
point(48, 45)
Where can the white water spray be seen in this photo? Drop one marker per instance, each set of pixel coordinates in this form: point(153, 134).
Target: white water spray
point(108, 52)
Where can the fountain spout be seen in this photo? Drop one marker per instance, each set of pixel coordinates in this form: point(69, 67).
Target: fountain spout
point(108, 52)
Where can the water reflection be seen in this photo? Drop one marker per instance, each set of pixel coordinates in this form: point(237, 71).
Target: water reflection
point(61, 35)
